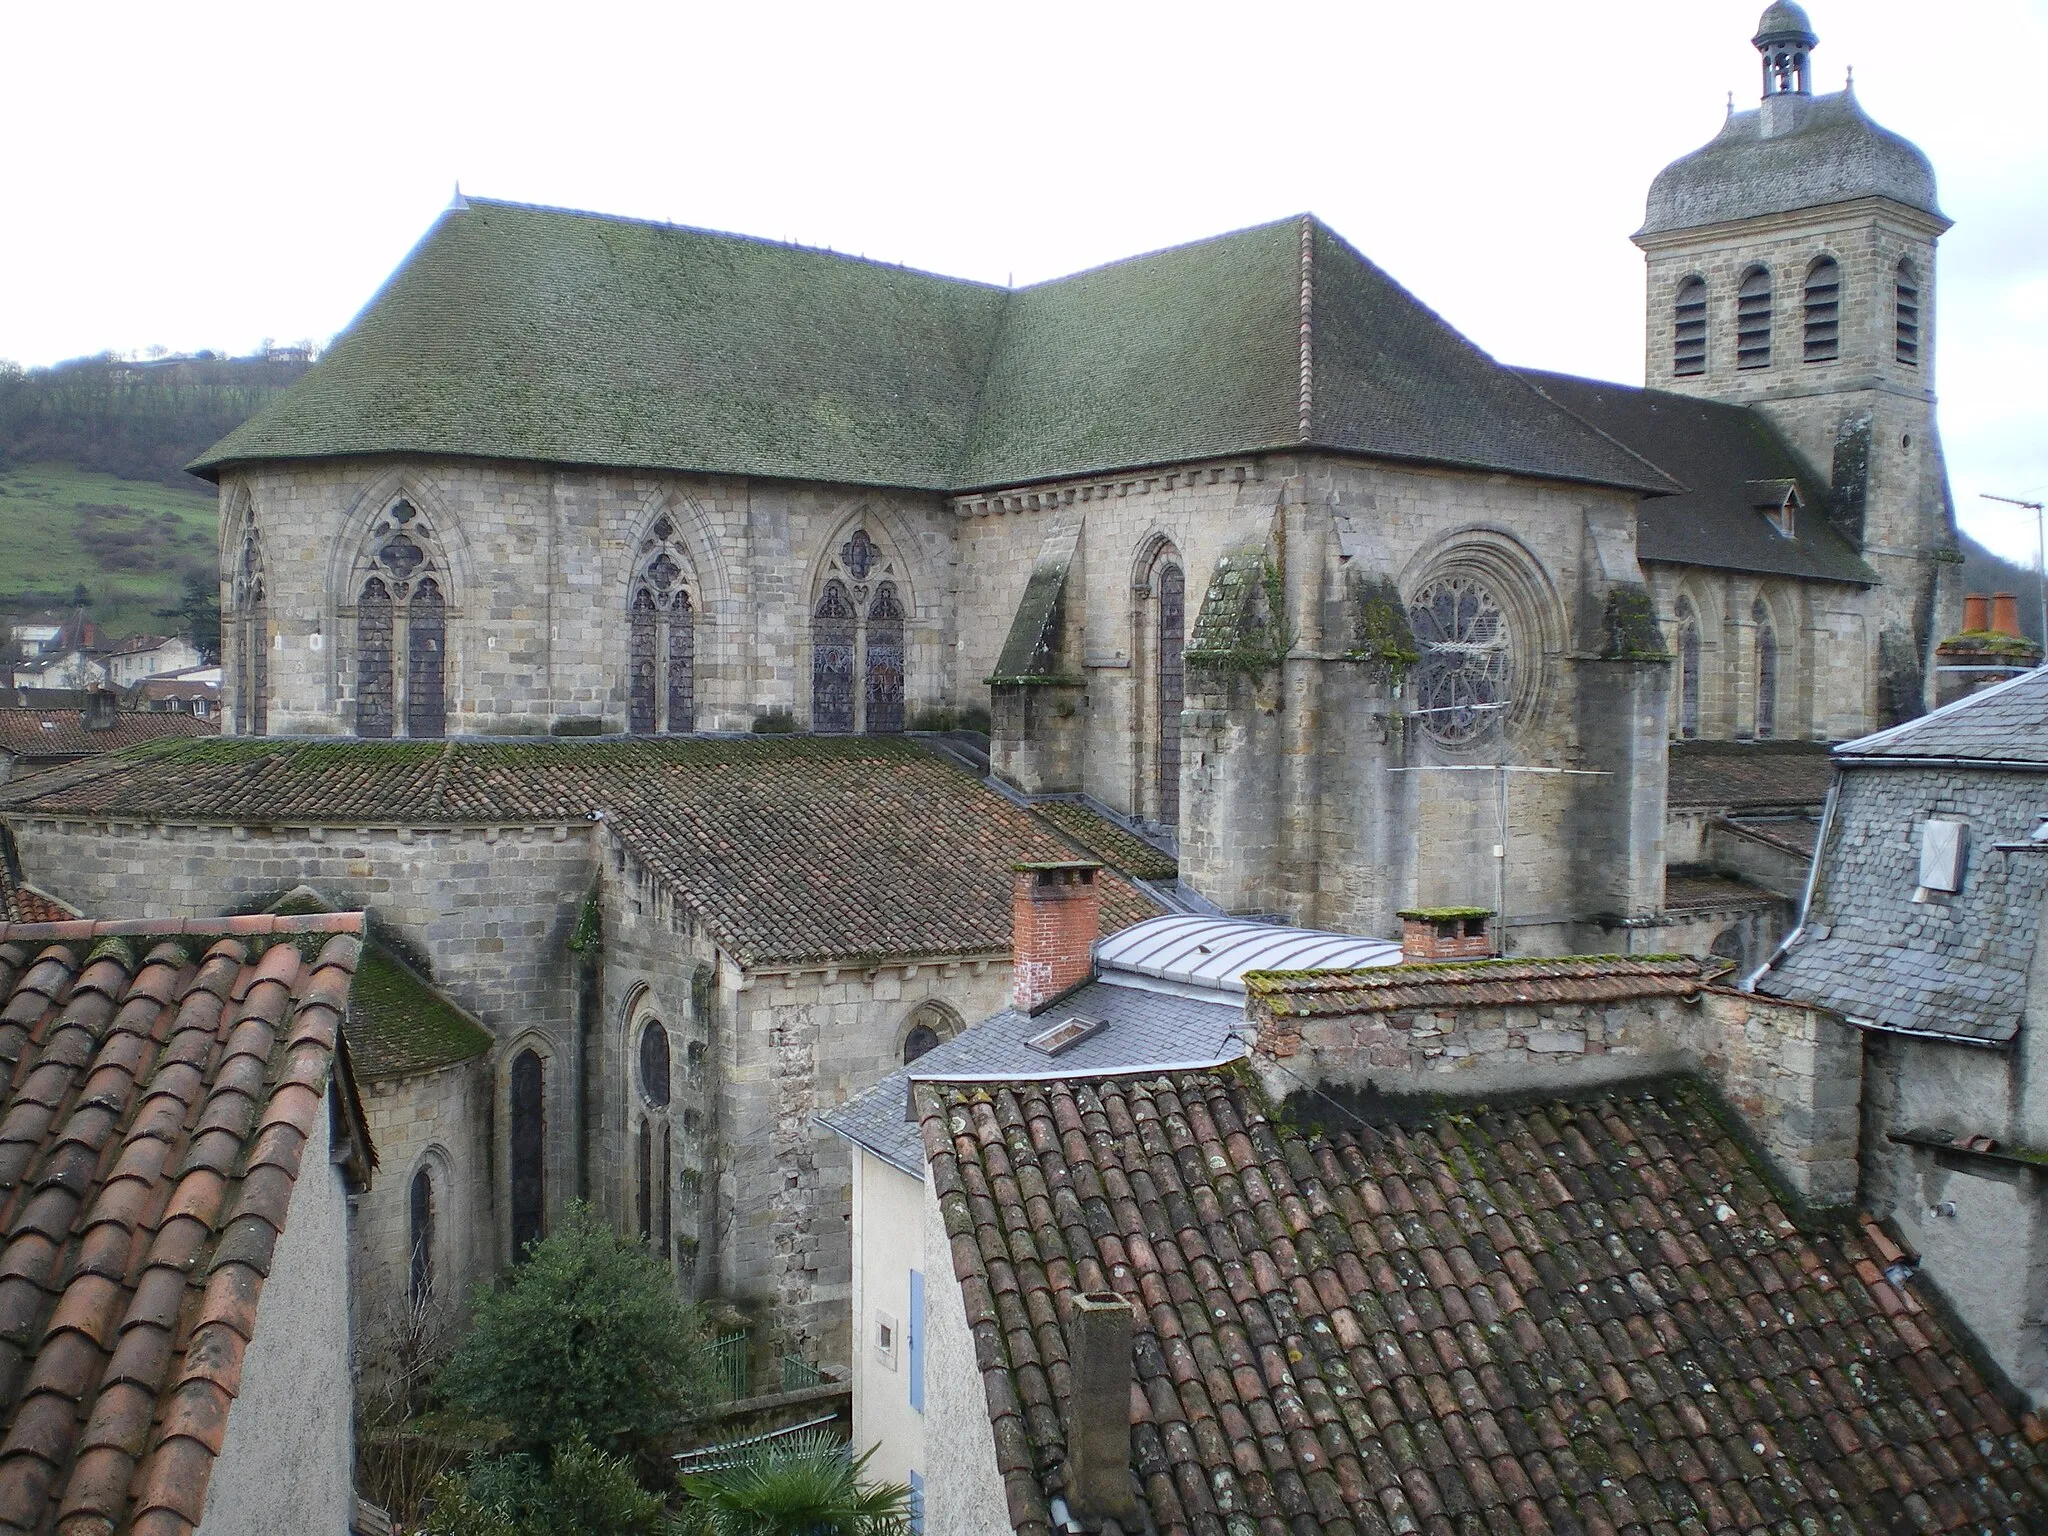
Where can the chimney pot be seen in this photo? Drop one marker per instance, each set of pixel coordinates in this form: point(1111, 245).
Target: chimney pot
point(1099, 1431)
point(1055, 919)
point(1976, 614)
point(2005, 614)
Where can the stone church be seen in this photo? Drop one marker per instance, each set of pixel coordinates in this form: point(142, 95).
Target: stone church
point(603, 611)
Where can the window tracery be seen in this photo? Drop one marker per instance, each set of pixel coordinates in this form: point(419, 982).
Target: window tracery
point(251, 630)
point(1688, 669)
point(402, 628)
point(1465, 681)
point(661, 689)
point(859, 662)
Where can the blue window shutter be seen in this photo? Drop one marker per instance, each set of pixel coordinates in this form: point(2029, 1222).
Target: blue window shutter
point(916, 1505)
point(915, 1323)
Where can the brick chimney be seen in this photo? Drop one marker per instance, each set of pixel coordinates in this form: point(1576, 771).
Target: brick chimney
point(1445, 933)
point(102, 709)
point(1055, 918)
point(1099, 1428)
point(1976, 614)
point(2005, 614)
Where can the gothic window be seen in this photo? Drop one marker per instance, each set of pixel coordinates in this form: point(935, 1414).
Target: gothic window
point(922, 1038)
point(1823, 311)
point(373, 659)
point(1753, 320)
point(1466, 678)
point(401, 601)
point(661, 684)
point(1689, 328)
point(654, 1064)
point(250, 627)
point(421, 1224)
point(1172, 585)
point(1688, 670)
point(859, 656)
point(529, 1137)
point(1906, 335)
point(665, 1210)
point(932, 1024)
point(1766, 672)
point(643, 1195)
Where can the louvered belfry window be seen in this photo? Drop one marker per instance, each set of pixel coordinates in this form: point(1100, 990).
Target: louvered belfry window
point(1906, 341)
point(1753, 320)
point(1689, 328)
point(1823, 311)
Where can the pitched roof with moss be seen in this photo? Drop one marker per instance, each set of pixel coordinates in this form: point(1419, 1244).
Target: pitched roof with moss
point(792, 848)
point(514, 332)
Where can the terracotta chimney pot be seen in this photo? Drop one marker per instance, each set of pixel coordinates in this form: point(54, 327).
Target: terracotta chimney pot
point(2005, 614)
point(1976, 614)
point(1055, 919)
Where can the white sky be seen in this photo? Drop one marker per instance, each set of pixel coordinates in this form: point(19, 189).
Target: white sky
point(211, 174)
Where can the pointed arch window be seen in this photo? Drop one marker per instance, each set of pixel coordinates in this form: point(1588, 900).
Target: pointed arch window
point(1823, 311)
point(250, 627)
point(1766, 671)
point(401, 603)
point(529, 1140)
point(661, 683)
point(1753, 320)
point(1906, 316)
point(1171, 690)
point(643, 1193)
point(1688, 670)
point(859, 645)
point(1689, 328)
point(420, 1221)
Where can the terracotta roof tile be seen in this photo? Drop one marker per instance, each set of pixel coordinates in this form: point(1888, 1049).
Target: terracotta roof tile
point(133, 1243)
point(1468, 983)
point(1572, 1317)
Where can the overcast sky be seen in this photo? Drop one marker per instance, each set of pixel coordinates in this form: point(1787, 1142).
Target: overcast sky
point(209, 175)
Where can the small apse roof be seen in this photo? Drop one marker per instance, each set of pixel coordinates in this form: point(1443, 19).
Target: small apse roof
point(1212, 954)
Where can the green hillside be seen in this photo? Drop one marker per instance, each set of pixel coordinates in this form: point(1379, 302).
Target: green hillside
point(129, 542)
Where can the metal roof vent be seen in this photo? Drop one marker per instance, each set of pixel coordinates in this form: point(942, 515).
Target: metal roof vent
point(1065, 1035)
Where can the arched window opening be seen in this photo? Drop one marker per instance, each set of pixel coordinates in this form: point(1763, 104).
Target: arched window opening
point(1689, 328)
point(1688, 671)
point(421, 1223)
point(922, 1038)
point(1753, 320)
point(1766, 672)
point(654, 1064)
point(661, 684)
point(402, 629)
point(1823, 311)
point(1465, 683)
point(374, 610)
point(643, 1159)
point(251, 630)
point(1906, 334)
point(666, 1207)
point(1172, 687)
point(932, 1023)
point(859, 642)
point(529, 1140)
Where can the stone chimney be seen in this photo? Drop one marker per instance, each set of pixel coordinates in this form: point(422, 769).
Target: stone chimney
point(102, 709)
point(1976, 614)
point(1446, 933)
point(2005, 614)
point(1055, 918)
point(1098, 1472)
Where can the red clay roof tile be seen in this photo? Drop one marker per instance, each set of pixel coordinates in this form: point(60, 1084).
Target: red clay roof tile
point(126, 1200)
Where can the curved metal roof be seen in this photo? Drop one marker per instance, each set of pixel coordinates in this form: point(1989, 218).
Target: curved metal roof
point(1213, 953)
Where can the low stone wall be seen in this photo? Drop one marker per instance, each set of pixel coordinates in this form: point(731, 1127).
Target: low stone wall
point(1793, 1073)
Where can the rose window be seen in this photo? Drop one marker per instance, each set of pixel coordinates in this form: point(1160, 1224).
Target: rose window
point(1465, 680)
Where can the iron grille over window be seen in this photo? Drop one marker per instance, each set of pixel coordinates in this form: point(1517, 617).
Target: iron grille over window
point(1753, 320)
point(1823, 311)
point(1689, 328)
point(1906, 341)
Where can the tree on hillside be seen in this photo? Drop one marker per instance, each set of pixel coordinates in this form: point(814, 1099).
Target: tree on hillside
point(804, 1485)
point(198, 614)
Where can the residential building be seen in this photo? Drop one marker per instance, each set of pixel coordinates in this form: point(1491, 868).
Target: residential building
point(35, 738)
point(143, 656)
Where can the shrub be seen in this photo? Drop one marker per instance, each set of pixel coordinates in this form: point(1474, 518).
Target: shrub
point(579, 1492)
point(804, 1485)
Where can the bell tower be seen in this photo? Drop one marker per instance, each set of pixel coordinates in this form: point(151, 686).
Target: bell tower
point(1791, 268)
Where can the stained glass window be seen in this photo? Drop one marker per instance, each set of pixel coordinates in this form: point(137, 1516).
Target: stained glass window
point(661, 684)
point(426, 642)
point(1688, 671)
point(1172, 687)
point(1466, 677)
point(373, 660)
point(528, 1137)
point(1766, 672)
point(884, 657)
point(640, 690)
point(859, 640)
point(401, 661)
point(832, 646)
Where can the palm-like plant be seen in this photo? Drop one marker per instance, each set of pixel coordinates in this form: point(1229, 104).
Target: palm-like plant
point(805, 1485)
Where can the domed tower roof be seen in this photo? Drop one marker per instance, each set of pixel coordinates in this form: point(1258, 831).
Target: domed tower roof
point(1795, 151)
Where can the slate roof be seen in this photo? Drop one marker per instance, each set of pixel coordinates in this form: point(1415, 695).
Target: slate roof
point(514, 332)
point(1718, 453)
point(1586, 1317)
point(163, 1081)
point(1141, 1030)
point(61, 733)
point(1475, 984)
point(1832, 153)
point(790, 848)
point(1731, 774)
point(2006, 723)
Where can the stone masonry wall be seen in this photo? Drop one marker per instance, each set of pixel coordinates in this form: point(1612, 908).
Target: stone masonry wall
point(1793, 1073)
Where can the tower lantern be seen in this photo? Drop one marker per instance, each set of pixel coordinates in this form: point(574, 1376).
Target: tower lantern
point(1786, 40)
